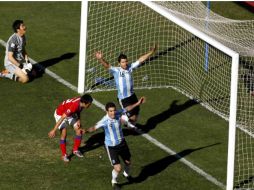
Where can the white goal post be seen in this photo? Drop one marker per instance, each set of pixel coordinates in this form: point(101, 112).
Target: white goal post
point(100, 31)
point(82, 46)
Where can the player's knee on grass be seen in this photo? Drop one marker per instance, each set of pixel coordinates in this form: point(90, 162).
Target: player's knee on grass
point(22, 77)
point(23, 80)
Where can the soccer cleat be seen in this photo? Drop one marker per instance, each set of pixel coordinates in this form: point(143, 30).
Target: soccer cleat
point(78, 153)
point(65, 158)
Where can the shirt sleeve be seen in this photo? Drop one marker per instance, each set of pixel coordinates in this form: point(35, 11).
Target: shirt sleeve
point(135, 65)
point(11, 46)
point(112, 70)
point(100, 123)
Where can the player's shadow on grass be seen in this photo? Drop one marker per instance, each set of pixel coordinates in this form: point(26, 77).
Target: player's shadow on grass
point(158, 166)
point(40, 67)
point(173, 109)
point(94, 141)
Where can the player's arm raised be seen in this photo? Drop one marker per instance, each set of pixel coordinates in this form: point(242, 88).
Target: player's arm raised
point(139, 102)
point(99, 57)
point(147, 55)
point(52, 133)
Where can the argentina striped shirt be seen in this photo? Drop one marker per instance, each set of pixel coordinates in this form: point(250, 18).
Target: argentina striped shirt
point(112, 128)
point(123, 80)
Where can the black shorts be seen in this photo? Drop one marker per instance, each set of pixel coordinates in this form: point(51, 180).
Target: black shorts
point(121, 150)
point(129, 101)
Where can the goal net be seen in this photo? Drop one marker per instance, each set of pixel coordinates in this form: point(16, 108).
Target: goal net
point(184, 61)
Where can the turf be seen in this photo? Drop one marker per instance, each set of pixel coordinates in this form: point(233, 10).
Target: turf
point(30, 160)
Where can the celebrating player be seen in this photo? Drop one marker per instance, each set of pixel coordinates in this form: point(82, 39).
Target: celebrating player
point(114, 140)
point(68, 113)
point(124, 81)
point(16, 59)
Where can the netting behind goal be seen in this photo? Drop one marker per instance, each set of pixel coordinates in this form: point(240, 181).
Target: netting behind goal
point(183, 61)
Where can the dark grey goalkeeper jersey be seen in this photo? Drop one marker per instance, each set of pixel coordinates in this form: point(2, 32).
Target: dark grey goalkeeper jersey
point(15, 44)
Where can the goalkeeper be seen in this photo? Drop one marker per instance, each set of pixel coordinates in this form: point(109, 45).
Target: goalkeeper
point(16, 59)
point(124, 81)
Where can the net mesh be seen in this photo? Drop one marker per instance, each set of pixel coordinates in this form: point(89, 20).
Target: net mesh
point(183, 61)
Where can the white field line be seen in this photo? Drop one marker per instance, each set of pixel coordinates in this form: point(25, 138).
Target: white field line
point(146, 136)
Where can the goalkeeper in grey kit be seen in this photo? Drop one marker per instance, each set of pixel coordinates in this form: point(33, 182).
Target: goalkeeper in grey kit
point(16, 60)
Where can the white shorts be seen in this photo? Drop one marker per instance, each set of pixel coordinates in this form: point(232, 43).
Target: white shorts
point(67, 121)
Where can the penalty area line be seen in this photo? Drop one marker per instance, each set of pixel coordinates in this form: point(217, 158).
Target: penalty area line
point(146, 136)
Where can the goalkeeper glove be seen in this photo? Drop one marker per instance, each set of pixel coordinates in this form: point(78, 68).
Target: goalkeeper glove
point(27, 67)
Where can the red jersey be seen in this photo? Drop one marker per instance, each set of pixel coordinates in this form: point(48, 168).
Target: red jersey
point(69, 107)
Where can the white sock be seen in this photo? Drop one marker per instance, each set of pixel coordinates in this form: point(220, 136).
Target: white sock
point(114, 176)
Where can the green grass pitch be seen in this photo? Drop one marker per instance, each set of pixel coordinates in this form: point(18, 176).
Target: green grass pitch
point(30, 160)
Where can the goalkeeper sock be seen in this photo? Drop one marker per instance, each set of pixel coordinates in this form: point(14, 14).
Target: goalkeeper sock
point(63, 147)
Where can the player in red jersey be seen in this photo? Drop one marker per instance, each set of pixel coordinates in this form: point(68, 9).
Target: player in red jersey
point(68, 113)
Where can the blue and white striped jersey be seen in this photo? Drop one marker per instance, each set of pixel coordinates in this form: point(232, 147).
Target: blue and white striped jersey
point(123, 80)
point(112, 128)
point(15, 44)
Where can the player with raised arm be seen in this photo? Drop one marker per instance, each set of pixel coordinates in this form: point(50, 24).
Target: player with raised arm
point(68, 113)
point(115, 143)
point(16, 59)
point(124, 81)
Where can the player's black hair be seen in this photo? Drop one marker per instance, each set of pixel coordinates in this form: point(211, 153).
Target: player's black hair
point(121, 56)
point(109, 105)
point(16, 25)
point(86, 98)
